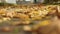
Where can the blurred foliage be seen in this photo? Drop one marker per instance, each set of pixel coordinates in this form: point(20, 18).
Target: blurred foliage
point(41, 23)
point(51, 1)
point(16, 30)
point(6, 4)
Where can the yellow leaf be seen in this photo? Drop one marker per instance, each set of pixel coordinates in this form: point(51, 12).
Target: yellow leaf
point(44, 23)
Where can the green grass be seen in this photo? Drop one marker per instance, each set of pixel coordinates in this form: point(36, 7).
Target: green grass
point(16, 30)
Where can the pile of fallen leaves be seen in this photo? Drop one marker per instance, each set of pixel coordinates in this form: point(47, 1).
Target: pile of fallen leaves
point(27, 14)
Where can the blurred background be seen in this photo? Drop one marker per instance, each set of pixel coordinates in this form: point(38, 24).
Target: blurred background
point(29, 1)
point(27, 16)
